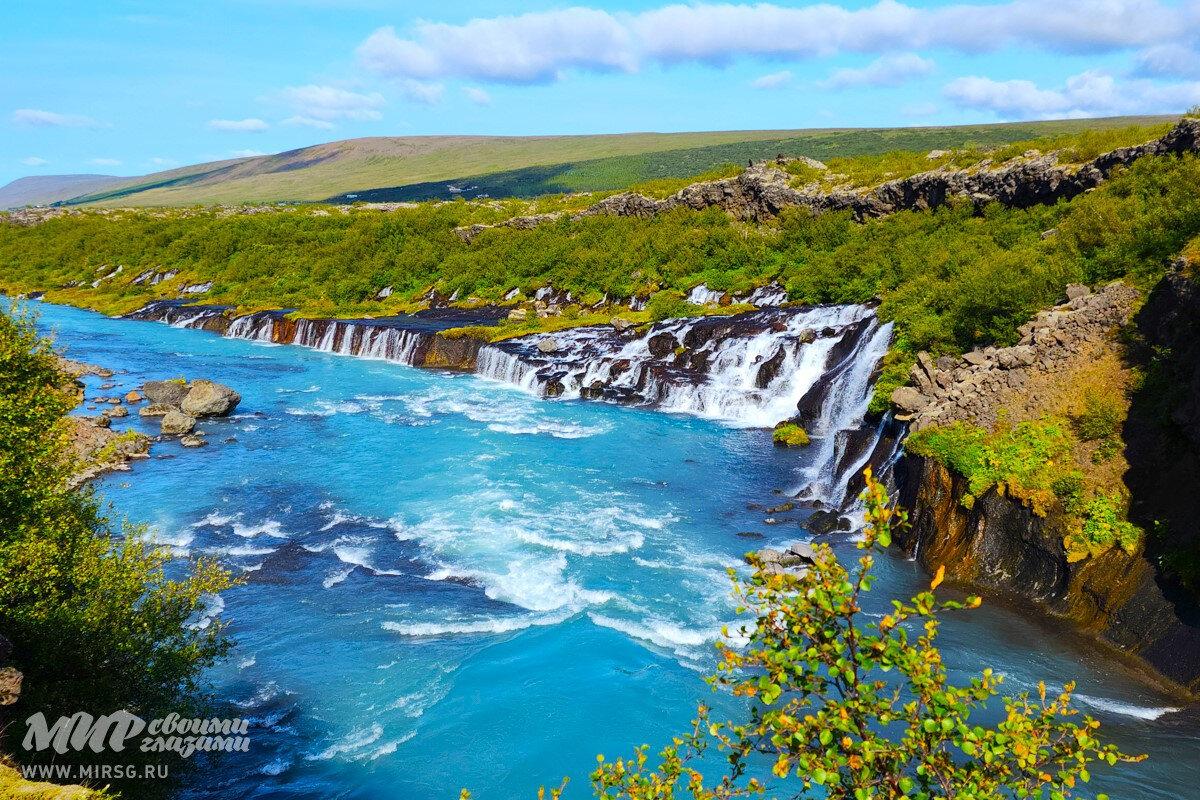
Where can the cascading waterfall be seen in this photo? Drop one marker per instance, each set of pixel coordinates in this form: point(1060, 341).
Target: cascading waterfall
point(750, 369)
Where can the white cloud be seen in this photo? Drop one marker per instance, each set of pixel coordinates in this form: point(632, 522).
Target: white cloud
point(518, 49)
point(427, 92)
point(247, 153)
point(478, 96)
point(105, 162)
point(1169, 60)
point(542, 46)
point(34, 161)
point(1089, 94)
point(34, 118)
point(238, 125)
point(883, 71)
point(309, 122)
point(324, 104)
point(162, 162)
point(772, 81)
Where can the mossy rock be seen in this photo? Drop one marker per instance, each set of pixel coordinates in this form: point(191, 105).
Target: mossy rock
point(789, 434)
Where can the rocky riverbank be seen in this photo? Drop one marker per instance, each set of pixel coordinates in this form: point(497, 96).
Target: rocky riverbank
point(1140, 599)
point(97, 447)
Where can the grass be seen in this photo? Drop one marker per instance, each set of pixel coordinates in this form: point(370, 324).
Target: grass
point(15, 787)
point(536, 165)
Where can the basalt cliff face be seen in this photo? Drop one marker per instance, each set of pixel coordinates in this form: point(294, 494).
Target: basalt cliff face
point(1143, 603)
point(1001, 545)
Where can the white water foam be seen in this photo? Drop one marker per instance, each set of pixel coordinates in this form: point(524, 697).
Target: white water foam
point(1148, 713)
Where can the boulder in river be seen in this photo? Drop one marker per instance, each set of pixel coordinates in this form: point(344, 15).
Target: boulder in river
point(176, 423)
point(156, 410)
point(133, 397)
point(209, 399)
point(116, 411)
point(192, 441)
point(165, 393)
point(547, 346)
point(822, 522)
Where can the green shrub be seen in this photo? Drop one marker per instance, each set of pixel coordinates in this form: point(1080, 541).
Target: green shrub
point(1104, 527)
point(669, 304)
point(1023, 462)
point(95, 622)
point(790, 435)
point(1102, 415)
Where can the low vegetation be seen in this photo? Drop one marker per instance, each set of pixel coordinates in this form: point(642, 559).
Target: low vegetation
point(790, 434)
point(1033, 463)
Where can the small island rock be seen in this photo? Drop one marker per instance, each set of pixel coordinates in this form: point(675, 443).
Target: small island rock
point(210, 399)
point(176, 423)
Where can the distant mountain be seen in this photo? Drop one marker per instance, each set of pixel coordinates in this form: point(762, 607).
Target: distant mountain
point(42, 190)
point(445, 167)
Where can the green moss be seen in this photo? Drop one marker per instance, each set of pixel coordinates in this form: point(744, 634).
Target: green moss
point(790, 435)
point(1032, 463)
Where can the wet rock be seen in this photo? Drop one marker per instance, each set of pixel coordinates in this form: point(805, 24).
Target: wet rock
point(165, 393)
point(192, 441)
point(176, 423)
point(823, 522)
point(548, 346)
point(803, 551)
point(750, 535)
point(771, 557)
point(156, 410)
point(769, 369)
point(662, 344)
point(209, 399)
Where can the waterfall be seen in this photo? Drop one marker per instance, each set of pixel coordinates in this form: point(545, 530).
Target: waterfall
point(748, 370)
point(702, 296)
point(753, 369)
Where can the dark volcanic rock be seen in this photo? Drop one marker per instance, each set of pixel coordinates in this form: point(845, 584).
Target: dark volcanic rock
point(1000, 544)
point(661, 344)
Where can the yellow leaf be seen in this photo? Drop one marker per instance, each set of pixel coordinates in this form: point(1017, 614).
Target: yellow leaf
point(938, 578)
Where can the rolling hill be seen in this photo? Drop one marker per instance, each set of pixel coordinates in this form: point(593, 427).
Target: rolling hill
point(41, 190)
point(425, 167)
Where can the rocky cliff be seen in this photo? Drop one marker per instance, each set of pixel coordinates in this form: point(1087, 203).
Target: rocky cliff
point(975, 387)
point(1143, 602)
point(1001, 545)
point(764, 189)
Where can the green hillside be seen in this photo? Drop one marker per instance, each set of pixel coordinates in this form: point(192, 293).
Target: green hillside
point(530, 166)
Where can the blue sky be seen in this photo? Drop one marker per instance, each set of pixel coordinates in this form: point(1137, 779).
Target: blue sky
point(133, 86)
